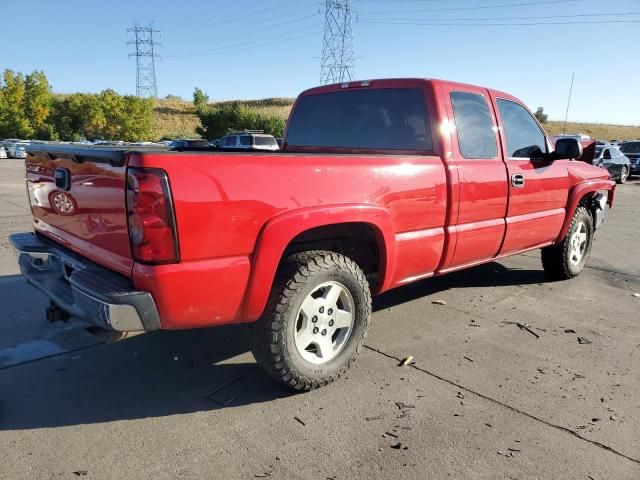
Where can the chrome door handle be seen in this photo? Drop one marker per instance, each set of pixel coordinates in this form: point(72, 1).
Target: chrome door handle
point(517, 180)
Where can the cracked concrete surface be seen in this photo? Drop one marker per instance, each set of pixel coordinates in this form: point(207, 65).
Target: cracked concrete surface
point(484, 399)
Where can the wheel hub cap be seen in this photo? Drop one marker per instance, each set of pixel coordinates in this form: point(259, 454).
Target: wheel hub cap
point(578, 244)
point(324, 322)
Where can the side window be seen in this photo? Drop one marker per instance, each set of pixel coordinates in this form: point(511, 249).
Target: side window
point(474, 125)
point(245, 140)
point(523, 135)
point(607, 154)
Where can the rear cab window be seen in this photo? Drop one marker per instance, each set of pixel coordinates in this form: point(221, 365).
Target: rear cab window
point(366, 119)
point(523, 136)
point(474, 125)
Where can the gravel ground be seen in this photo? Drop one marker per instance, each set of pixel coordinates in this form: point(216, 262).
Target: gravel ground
point(484, 399)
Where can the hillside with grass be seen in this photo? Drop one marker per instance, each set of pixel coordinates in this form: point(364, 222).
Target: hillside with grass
point(176, 118)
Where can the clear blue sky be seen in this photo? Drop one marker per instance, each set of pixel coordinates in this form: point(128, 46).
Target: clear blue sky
point(265, 48)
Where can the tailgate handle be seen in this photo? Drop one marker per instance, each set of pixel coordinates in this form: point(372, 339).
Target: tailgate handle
point(63, 178)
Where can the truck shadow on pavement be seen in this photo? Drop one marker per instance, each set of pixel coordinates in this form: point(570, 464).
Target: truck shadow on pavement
point(487, 275)
point(161, 373)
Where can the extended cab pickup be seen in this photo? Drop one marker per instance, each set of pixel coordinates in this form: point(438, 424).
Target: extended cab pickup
point(378, 184)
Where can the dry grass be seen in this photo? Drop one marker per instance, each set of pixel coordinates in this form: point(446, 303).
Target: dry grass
point(177, 118)
point(596, 131)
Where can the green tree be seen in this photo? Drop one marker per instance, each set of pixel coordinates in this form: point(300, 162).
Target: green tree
point(541, 116)
point(137, 120)
point(105, 116)
point(37, 104)
point(13, 119)
point(200, 99)
point(79, 116)
point(219, 120)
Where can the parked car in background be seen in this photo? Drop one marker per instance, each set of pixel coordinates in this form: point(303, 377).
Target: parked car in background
point(3, 152)
point(20, 151)
point(10, 145)
point(577, 136)
point(632, 151)
point(613, 160)
point(248, 140)
point(187, 144)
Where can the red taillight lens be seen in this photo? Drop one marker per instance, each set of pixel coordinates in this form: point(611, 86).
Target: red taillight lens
point(152, 226)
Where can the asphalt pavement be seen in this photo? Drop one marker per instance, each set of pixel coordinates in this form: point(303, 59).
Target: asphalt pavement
point(514, 378)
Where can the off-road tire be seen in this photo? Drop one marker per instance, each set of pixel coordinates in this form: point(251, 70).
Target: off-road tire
point(556, 258)
point(272, 341)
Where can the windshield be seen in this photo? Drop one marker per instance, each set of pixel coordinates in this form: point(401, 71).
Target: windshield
point(597, 152)
point(385, 119)
point(630, 147)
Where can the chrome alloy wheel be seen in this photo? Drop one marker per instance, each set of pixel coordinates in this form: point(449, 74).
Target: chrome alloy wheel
point(324, 322)
point(578, 243)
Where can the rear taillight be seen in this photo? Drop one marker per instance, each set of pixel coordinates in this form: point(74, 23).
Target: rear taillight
point(152, 226)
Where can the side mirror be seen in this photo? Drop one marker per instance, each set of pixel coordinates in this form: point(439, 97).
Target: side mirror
point(567, 148)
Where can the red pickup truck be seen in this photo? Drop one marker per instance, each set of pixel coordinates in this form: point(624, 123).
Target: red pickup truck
point(378, 184)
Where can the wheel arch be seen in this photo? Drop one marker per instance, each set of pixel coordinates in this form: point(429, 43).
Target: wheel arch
point(581, 193)
point(279, 233)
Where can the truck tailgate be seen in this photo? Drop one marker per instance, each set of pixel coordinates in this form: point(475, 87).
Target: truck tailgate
point(77, 198)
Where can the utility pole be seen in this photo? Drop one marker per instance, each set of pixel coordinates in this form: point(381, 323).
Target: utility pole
point(146, 55)
point(337, 43)
point(566, 114)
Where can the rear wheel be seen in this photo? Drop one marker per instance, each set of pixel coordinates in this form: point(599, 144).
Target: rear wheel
point(315, 321)
point(624, 174)
point(567, 259)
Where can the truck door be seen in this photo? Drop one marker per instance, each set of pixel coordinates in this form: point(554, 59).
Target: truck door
point(482, 177)
point(538, 190)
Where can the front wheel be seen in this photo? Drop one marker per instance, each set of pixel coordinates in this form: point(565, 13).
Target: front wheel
point(624, 174)
point(567, 259)
point(315, 321)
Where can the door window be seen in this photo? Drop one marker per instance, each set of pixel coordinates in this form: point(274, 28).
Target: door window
point(474, 125)
point(523, 135)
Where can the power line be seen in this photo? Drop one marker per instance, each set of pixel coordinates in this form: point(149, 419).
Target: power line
point(338, 59)
point(189, 21)
point(480, 7)
point(513, 24)
point(180, 50)
point(146, 86)
point(252, 47)
point(234, 46)
point(476, 19)
point(213, 31)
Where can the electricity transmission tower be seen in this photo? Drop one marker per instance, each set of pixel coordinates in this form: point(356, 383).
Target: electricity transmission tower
point(337, 43)
point(145, 60)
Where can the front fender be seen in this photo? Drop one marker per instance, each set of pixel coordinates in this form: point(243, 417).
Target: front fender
point(278, 233)
point(578, 192)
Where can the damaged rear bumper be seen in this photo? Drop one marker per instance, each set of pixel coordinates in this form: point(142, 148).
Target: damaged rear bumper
point(82, 288)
